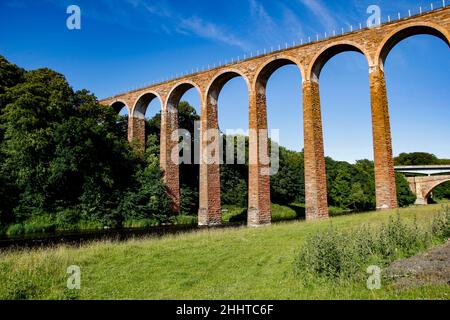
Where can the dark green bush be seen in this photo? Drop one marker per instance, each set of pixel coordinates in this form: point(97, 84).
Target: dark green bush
point(15, 229)
point(141, 223)
point(68, 218)
point(441, 224)
point(185, 220)
point(405, 197)
point(42, 223)
point(188, 201)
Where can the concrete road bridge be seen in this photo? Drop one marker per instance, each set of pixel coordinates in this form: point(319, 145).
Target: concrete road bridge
point(423, 179)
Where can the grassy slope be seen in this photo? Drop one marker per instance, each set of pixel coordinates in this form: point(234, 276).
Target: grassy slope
point(217, 264)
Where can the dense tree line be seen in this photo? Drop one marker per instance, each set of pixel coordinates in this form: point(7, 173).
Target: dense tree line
point(64, 159)
point(418, 158)
point(65, 163)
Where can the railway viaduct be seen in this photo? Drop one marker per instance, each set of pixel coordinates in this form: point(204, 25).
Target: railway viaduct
point(374, 43)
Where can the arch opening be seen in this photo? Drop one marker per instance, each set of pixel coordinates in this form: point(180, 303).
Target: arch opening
point(184, 102)
point(347, 129)
point(406, 33)
point(441, 192)
point(219, 82)
point(143, 124)
point(120, 107)
point(416, 65)
point(281, 82)
point(270, 68)
point(143, 103)
point(326, 55)
point(418, 94)
point(178, 92)
point(229, 91)
point(429, 197)
point(122, 117)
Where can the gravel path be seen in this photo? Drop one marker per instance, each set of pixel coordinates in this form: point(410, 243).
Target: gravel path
point(429, 268)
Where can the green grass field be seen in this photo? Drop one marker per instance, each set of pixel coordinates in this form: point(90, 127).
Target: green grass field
point(241, 263)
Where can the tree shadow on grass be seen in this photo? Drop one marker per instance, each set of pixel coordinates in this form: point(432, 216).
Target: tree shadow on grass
point(299, 211)
point(296, 212)
point(239, 218)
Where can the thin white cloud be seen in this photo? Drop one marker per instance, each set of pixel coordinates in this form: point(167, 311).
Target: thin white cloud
point(160, 10)
point(279, 26)
point(292, 23)
point(189, 26)
point(146, 15)
point(258, 11)
point(208, 30)
point(262, 22)
point(321, 12)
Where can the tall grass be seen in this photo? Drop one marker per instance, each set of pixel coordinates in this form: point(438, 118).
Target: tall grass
point(332, 253)
point(235, 263)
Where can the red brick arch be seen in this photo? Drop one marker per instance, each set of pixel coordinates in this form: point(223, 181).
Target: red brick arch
point(407, 31)
point(209, 205)
point(271, 65)
point(315, 172)
point(118, 105)
point(221, 79)
point(177, 92)
point(259, 211)
point(142, 102)
point(327, 53)
point(168, 143)
point(379, 94)
point(136, 118)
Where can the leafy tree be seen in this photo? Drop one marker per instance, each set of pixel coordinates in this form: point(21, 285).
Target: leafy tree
point(405, 197)
point(189, 200)
point(416, 158)
point(287, 185)
point(147, 199)
point(234, 177)
point(64, 154)
point(341, 188)
point(233, 186)
point(37, 107)
point(189, 173)
point(91, 162)
point(10, 76)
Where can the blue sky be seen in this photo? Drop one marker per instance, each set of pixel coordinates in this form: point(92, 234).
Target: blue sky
point(128, 43)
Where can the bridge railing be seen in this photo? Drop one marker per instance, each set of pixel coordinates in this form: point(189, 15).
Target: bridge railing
point(427, 170)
